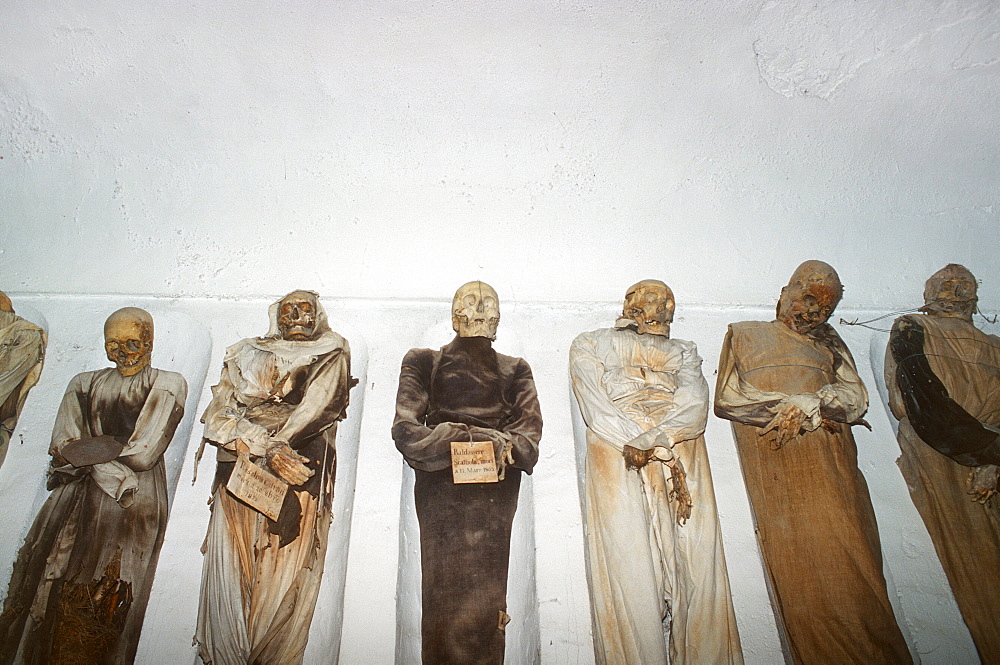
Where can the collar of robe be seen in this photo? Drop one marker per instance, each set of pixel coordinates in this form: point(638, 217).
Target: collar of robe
point(472, 346)
point(293, 350)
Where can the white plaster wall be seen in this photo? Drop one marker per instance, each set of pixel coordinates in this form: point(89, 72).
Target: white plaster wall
point(210, 157)
point(190, 143)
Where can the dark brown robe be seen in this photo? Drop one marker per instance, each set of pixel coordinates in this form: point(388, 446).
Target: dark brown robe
point(943, 376)
point(815, 522)
point(464, 391)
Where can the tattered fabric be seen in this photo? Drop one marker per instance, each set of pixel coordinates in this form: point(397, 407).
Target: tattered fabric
point(466, 391)
point(101, 520)
point(22, 352)
point(261, 578)
point(966, 534)
point(648, 573)
point(815, 522)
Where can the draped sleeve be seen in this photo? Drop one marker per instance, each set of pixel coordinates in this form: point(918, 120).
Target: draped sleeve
point(845, 399)
point(590, 357)
point(225, 418)
point(687, 419)
point(22, 352)
point(158, 419)
point(429, 448)
point(71, 420)
point(586, 369)
point(424, 448)
point(324, 399)
point(525, 428)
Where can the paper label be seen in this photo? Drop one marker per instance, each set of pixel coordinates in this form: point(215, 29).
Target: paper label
point(473, 462)
point(261, 489)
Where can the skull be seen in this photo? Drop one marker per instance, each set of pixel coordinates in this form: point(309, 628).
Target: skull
point(297, 316)
point(650, 304)
point(128, 339)
point(5, 303)
point(810, 297)
point(951, 292)
point(475, 311)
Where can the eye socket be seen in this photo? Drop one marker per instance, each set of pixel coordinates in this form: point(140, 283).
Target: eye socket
point(133, 345)
point(469, 300)
point(305, 306)
point(809, 300)
point(489, 301)
point(111, 345)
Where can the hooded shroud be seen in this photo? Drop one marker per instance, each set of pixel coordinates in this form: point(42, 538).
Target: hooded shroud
point(261, 578)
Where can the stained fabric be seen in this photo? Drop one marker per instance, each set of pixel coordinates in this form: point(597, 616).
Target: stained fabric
point(815, 523)
point(22, 353)
point(650, 575)
point(935, 416)
point(101, 520)
point(466, 391)
point(261, 578)
point(965, 364)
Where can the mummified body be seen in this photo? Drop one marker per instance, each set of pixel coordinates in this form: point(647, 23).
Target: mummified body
point(81, 581)
point(943, 376)
point(655, 558)
point(277, 403)
point(792, 391)
point(22, 352)
point(466, 392)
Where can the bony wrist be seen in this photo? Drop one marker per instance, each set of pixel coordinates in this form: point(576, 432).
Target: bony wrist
point(274, 445)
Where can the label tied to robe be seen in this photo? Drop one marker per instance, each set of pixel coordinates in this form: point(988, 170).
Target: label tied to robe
point(263, 491)
point(473, 462)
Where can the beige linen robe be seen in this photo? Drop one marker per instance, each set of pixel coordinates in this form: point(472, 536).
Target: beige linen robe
point(966, 534)
point(261, 579)
point(815, 522)
point(22, 352)
point(99, 516)
point(648, 574)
